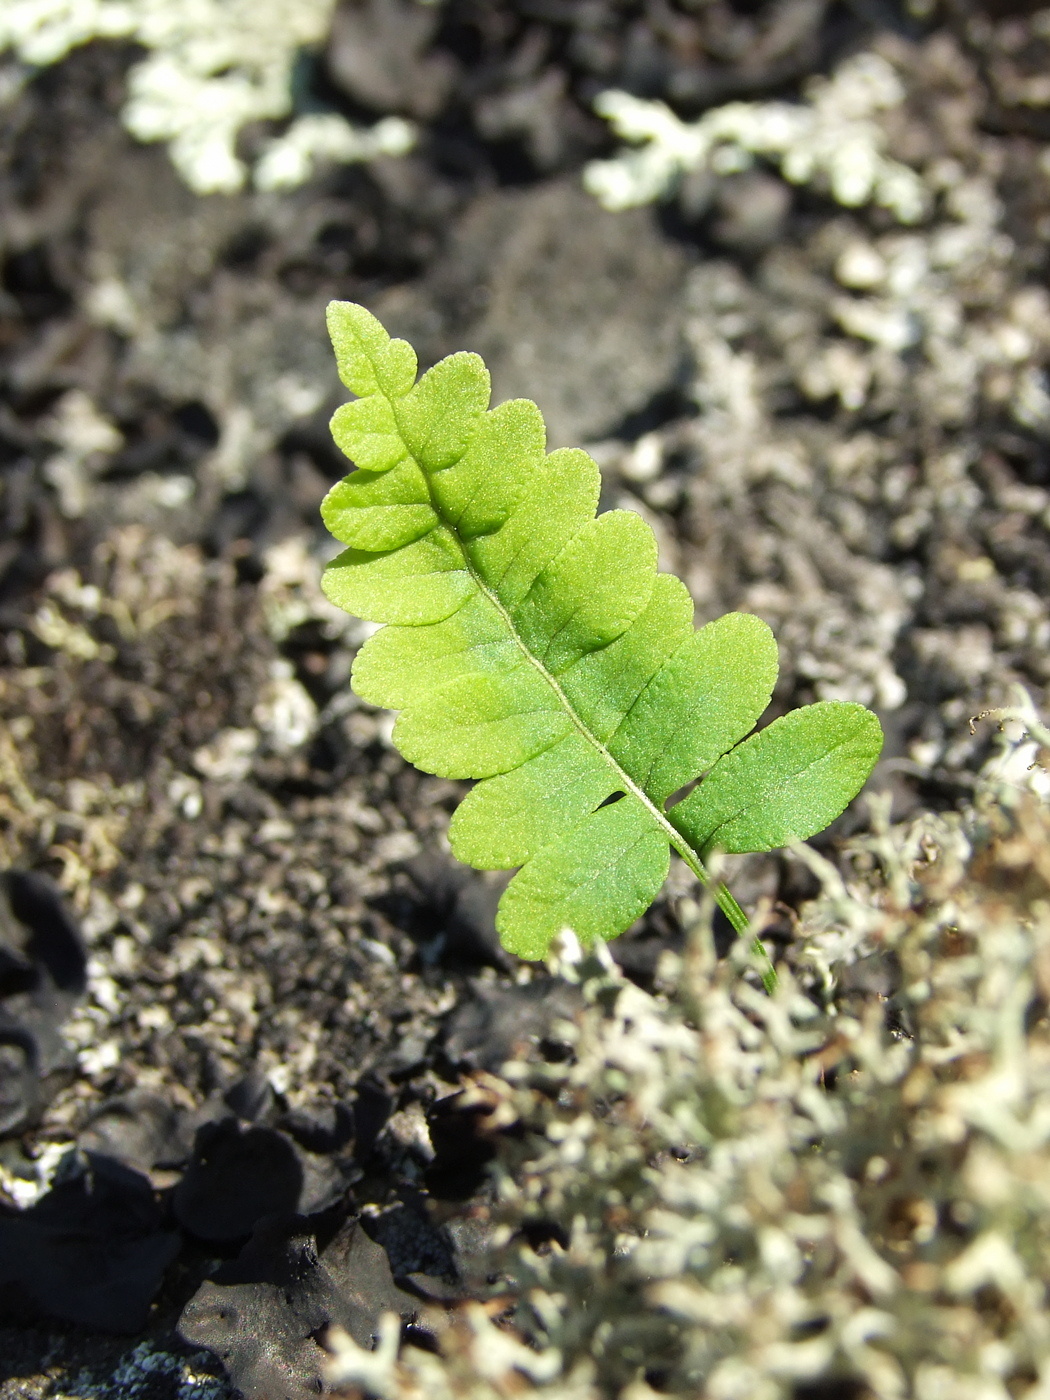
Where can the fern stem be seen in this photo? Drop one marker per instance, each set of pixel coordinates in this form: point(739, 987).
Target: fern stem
point(732, 910)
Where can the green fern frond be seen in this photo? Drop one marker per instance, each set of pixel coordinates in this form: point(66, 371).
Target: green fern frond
point(532, 645)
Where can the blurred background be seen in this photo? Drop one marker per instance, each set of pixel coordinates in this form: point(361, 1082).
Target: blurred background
point(780, 265)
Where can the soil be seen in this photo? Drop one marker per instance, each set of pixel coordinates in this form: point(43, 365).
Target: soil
point(241, 976)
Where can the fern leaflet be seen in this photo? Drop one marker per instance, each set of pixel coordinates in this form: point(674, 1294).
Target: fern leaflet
point(532, 645)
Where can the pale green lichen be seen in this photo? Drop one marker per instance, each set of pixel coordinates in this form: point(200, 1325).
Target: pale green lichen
point(832, 139)
point(146, 1370)
point(291, 159)
point(213, 66)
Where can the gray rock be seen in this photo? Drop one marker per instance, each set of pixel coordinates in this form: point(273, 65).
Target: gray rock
point(377, 55)
point(569, 304)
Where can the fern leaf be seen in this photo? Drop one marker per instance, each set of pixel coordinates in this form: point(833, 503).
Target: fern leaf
point(784, 783)
point(533, 646)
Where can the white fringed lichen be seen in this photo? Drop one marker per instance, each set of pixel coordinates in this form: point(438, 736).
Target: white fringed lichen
point(291, 159)
point(212, 67)
point(833, 139)
point(746, 1197)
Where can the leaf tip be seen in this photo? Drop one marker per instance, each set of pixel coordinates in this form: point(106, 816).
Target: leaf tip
point(368, 360)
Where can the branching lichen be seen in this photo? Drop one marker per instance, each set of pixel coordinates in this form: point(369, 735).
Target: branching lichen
point(742, 1195)
point(213, 66)
point(833, 139)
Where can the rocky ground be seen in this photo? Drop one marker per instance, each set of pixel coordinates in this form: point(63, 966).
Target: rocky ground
point(241, 975)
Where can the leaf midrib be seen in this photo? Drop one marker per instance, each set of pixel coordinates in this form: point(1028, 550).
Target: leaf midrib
point(791, 773)
point(674, 837)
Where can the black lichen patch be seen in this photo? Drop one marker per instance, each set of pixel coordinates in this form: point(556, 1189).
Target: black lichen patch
point(93, 1251)
point(43, 966)
point(263, 1313)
